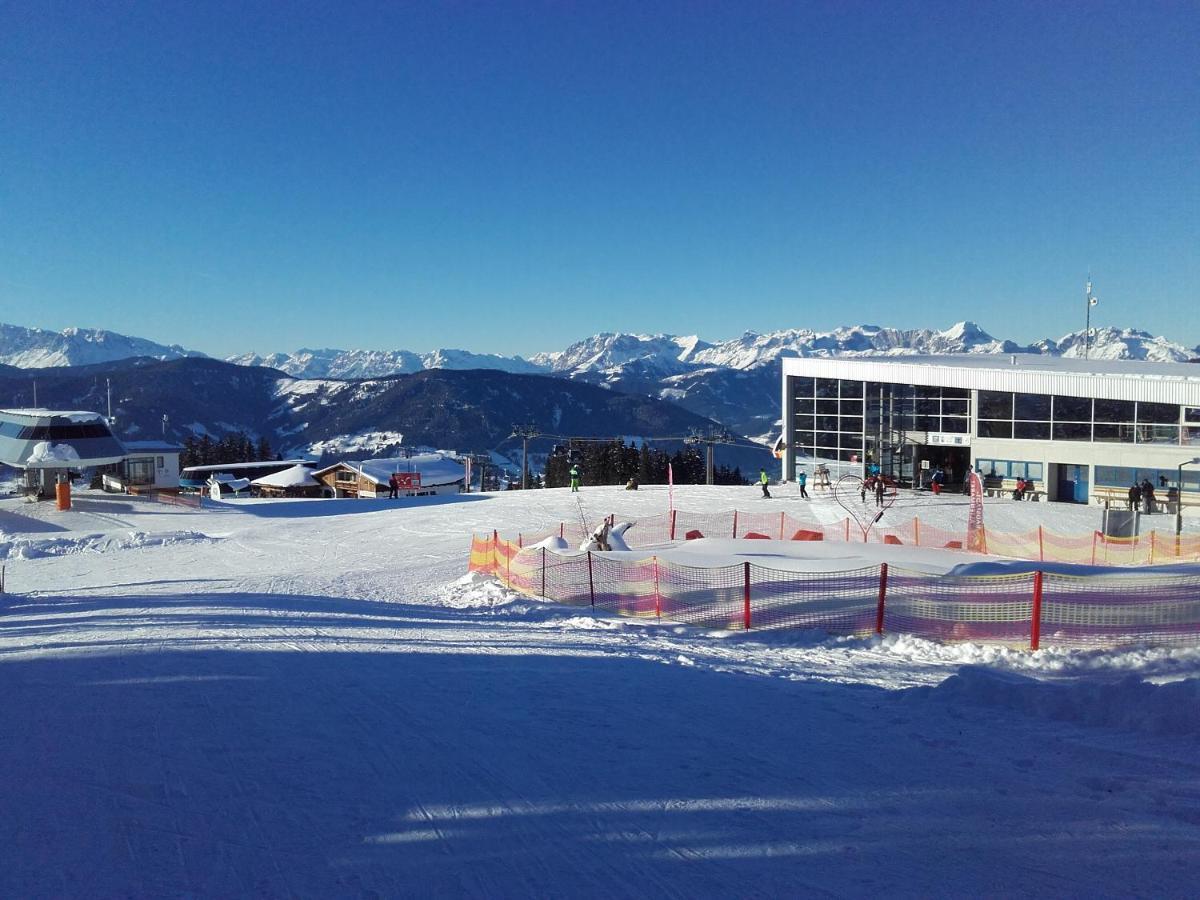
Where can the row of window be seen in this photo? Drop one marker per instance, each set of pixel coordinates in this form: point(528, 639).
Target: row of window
point(1044, 407)
point(73, 431)
point(1085, 431)
point(1009, 468)
point(1124, 476)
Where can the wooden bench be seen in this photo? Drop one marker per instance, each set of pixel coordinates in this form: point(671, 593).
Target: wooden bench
point(1004, 487)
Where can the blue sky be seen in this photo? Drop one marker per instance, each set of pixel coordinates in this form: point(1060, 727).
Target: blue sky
point(513, 177)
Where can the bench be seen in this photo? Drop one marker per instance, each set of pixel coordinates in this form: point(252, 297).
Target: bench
point(1004, 487)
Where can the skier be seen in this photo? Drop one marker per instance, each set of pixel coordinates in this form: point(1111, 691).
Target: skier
point(879, 488)
point(802, 480)
point(1135, 496)
point(574, 479)
point(763, 480)
point(393, 487)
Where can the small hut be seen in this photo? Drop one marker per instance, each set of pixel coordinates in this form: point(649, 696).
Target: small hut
point(298, 481)
point(423, 475)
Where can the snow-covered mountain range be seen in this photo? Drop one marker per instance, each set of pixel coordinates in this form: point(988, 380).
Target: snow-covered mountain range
point(36, 348)
point(663, 355)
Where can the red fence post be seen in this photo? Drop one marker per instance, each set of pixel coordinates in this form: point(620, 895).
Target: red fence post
point(882, 598)
point(1095, 534)
point(735, 523)
point(1035, 623)
point(746, 595)
point(673, 523)
point(520, 543)
point(495, 548)
point(561, 529)
point(591, 583)
point(847, 529)
point(543, 573)
point(1041, 546)
point(781, 525)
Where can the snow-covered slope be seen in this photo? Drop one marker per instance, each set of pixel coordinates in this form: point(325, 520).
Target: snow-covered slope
point(36, 348)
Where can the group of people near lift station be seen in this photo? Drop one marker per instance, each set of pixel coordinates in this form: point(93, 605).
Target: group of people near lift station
point(1141, 496)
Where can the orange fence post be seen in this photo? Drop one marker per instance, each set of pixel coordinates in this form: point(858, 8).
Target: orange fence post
point(746, 595)
point(847, 529)
point(1035, 623)
point(883, 593)
point(1041, 546)
point(1095, 535)
point(657, 595)
point(673, 512)
point(781, 525)
point(495, 547)
point(916, 531)
point(1152, 534)
point(591, 583)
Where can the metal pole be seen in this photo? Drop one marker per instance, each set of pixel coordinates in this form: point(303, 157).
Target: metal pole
point(524, 462)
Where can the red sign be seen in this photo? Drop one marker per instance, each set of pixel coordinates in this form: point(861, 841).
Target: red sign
point(976, 536)
point(406, 481)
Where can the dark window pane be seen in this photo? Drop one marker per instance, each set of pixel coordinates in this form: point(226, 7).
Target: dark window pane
point(845, 454)
point(995, 429)
point(1192, 414)
point(852, 388)
point(851, 407)
point(827, 423)
point(803, 406)
point(928, 391)
point(926, 423)
point(827, 407)
point(1032, 406)
point(851, 423)
point(805, 438)
point(929, 407)
point(1072, 409)
point(1032, 431)
point(1157, 413)
point(956, 407)
point(803, 387)
point(955, 426)
point(1118, 434)
point(1114, 410)
point(827, 387)
point(1071, 431)
point(827, 438)
point(962, 393)
point(995, 405)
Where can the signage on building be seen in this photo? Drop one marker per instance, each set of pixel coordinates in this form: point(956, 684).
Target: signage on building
point(942, 439)
point(406, 481)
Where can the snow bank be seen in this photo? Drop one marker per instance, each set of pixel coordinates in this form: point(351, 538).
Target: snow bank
point(46, 454)
point(38, 548)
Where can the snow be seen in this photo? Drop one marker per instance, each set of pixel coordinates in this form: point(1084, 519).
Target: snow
point(309, 697)
point(296, 476)
point(46, 455)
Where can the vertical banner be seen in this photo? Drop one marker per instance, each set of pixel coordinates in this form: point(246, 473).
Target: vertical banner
point(670, 488)
point(976, 536)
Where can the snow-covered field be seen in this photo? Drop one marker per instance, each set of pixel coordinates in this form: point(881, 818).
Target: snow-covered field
point(308, 698)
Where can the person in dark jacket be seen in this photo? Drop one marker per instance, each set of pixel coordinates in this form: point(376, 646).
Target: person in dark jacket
point(879, 489)
point(1135, 496)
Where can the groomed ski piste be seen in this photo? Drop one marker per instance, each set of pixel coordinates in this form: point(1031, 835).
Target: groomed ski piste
point(309, 698)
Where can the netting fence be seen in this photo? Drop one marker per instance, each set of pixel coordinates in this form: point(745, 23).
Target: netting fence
point(1029, 609)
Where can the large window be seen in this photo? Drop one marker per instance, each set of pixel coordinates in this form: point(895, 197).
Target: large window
point(1008, 468)
point(827, 421)
point(1065, 418)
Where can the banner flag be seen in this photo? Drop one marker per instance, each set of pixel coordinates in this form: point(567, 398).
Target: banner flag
point(976, 536)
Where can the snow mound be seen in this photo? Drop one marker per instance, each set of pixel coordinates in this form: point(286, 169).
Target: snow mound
point(1128, 704)
point(39, 548)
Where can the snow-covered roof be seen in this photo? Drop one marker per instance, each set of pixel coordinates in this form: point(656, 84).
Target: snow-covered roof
point(1113, 379)
point(46, 455)
point(72, 415)
point(434, 468)
point(296, 476)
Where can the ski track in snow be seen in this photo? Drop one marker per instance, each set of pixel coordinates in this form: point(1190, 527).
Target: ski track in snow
point(309, 698)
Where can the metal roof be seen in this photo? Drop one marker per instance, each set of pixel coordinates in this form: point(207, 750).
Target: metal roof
point(1110, 379)
point(87, 434)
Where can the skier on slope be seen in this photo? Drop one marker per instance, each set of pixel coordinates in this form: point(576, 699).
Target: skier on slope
point(764, 480)
point(574, 473)
point(802, 480)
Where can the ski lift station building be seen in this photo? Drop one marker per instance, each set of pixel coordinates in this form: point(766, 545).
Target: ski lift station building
point(1079, 430)
point(47, 443)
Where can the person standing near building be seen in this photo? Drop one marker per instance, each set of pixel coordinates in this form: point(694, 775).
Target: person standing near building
point(1135, 496)
point(1148, 496)
point(393, 487)
point(802, 480)
point(880, 487)
point(574, 473)
point(764, 480)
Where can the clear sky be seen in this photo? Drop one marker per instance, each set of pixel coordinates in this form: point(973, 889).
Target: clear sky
point(513, 177)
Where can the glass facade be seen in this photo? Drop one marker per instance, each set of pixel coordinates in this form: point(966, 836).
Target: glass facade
point(827, 421)
point(1124, 476)
point(1061, 418)
point(1008, 468)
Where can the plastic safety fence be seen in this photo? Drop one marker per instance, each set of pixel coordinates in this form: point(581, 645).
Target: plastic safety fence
point(625, 587)
point(844, 603)
point(714, 598)
point(1110, 610)
point(1093, 548)
point(990, 609)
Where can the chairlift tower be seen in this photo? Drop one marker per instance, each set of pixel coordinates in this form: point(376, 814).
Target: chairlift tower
point(525, 432)
point(709, 439)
